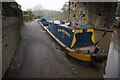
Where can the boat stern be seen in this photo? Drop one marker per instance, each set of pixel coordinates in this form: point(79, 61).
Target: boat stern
point(82, 57)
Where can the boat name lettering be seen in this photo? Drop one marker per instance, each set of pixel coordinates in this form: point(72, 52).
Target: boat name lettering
point(62, 30)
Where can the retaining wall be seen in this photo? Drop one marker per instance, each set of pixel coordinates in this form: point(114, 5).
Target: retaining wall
point(11, 22)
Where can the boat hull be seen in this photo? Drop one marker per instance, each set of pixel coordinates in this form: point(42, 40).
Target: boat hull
point(68, 40)
point(83, 57)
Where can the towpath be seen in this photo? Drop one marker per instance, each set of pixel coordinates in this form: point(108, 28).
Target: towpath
point(37, 56)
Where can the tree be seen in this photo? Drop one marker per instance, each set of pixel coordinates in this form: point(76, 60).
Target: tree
point(37, 11)
point(30, 14)
point(65, 10)
point(65, 7)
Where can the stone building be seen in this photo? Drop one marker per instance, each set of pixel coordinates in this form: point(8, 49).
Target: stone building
point(93, 14)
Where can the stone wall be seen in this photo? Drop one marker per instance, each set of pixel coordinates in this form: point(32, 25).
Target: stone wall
point(94, 14)
point(118, 9)
point(11, 22)
point(0, 41)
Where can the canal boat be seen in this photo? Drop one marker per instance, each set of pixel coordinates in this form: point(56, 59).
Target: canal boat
point(78, 40)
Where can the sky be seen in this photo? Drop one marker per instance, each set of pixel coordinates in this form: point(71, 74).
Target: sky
point(46, 4)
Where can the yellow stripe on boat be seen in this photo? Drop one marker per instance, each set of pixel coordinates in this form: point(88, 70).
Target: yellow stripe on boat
point(93, 38)
point(83, 57)
point(74, 38)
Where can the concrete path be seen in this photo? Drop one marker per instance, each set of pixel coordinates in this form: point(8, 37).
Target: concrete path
point(39, 57)
point(112, 69)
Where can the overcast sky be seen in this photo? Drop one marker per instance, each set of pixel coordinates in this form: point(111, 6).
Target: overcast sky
point(46, 4)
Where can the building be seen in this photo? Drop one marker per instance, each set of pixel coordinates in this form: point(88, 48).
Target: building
point(93, 14)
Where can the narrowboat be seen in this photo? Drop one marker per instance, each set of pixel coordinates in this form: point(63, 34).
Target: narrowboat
point(77, 39)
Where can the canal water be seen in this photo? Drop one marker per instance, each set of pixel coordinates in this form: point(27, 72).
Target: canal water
point(110, 68)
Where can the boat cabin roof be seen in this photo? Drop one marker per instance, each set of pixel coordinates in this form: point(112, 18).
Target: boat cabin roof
point(73, 26)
